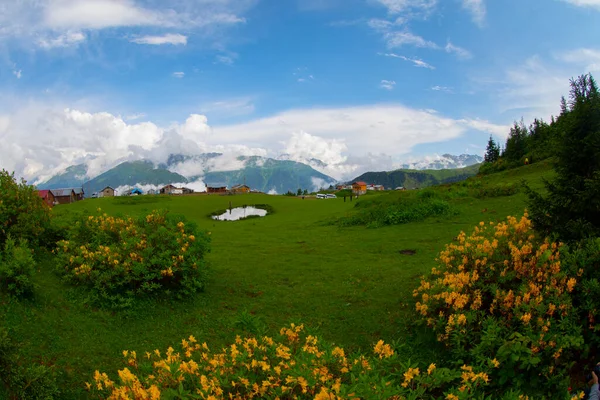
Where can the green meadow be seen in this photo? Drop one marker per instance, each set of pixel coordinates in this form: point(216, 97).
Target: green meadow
point(351, 285)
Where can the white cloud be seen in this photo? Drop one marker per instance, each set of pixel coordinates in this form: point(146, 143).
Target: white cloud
point(459, 51)
point(438, 88)
point(402, 6)
point(228, 107)
point(178, 74)
point(399, 39)
point(169, 38)
point(477, 10)
point(60, 23)
point(42, 140)
point(226, 59)
point(416, 61)
point(64, 40)
point(587, 58)
point(17, 73)
point(387, 85)
point(584, 3)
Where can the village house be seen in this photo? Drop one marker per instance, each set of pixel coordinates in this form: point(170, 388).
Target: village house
point(170, 189)
point(375, 187)
point(79, 193)
point(240, 189)
point(359, 188)
point(216, 188)
point(107, 192)
point(63, 196)
point(47, 196)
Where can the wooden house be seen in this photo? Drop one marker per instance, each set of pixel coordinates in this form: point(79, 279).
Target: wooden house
point(239, 189)
point(168, 189)
point(107, 192)
point(63, 196)
point(47, 196)
point(187, 190)
point(79, 193)
point(216, 188)
point(359, 188)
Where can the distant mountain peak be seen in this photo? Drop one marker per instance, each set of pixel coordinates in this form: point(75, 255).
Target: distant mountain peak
point(445, 161)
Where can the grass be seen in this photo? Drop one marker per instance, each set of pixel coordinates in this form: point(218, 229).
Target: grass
point(354, 285)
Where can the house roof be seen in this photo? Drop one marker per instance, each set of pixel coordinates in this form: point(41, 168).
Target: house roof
point(61, 192)
point(43, 193)
point(108, 187)
point(240, 186)
point(78, 190)
point(216, 185)
point(136, 190)
point(361, 183)
point(169, 185)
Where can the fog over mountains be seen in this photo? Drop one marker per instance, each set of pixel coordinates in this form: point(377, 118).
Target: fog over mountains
point(261, 173)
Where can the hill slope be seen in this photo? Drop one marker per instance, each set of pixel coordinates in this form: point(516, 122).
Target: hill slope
point(411, 179)
point(131, 174)
point(269, 174)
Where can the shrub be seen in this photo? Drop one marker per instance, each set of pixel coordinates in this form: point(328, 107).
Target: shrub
point(123, 258)
point(501, 294)
point(35, 382)
point(23, 214)
point(292, 365)
point(17, 268)
point(400, 212)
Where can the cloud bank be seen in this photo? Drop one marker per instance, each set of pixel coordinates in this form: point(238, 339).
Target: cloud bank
point(42, 141)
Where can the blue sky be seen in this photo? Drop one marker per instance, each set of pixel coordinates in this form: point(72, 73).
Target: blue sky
point(358, 84)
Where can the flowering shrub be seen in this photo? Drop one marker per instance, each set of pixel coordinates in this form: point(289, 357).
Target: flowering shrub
point(500, 294)
point(23, 214)
point(292, 365)
point(121, 258)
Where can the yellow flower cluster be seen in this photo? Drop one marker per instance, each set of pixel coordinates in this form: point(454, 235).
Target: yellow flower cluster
point(292, 366)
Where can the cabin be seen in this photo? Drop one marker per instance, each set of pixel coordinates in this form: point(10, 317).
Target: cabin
point(47, 197)
point(216, 188)
point(168, 189)
point(136, 192)
point(107, 192)
point(63, 196)
point(152, 191)
point(240, 189)
point(185, 190)
point(359, 188)
point(79, 193)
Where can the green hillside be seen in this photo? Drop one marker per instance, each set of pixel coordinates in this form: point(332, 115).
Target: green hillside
point(74, 176)
point(412, 179)
point(269, 174)
point(353, 284)
point(131, 174)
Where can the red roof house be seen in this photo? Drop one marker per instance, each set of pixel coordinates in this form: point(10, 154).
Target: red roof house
point(47, 196)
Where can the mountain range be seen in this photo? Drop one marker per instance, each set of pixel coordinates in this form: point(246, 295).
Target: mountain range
point(261, 173)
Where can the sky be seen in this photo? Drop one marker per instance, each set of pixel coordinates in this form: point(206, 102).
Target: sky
point(357, 84)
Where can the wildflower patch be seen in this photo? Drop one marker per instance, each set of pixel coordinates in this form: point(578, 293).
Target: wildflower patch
point(500, 294)
point(120, 258)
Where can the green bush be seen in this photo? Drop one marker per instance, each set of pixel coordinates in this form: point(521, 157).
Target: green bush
point(404, 210)
point(120, 259)
point(16, 268)
point(23, 214)
point(35, 382)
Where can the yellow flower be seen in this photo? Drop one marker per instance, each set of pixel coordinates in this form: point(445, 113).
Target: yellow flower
point(495, 363)
point(383, 350)
point(430, 369)
point(452, 397)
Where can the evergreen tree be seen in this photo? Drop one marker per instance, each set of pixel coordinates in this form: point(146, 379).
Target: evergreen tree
point(572, 207)
point(492, 151)
point(516, 144)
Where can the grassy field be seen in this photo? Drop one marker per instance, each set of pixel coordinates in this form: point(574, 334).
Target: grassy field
point(353, 285)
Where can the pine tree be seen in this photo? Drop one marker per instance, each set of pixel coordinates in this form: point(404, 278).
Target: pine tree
point(572, 207)
point(492, 151)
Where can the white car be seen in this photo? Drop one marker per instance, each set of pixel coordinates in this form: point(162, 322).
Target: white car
point(330, 196)
point(321, 196)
